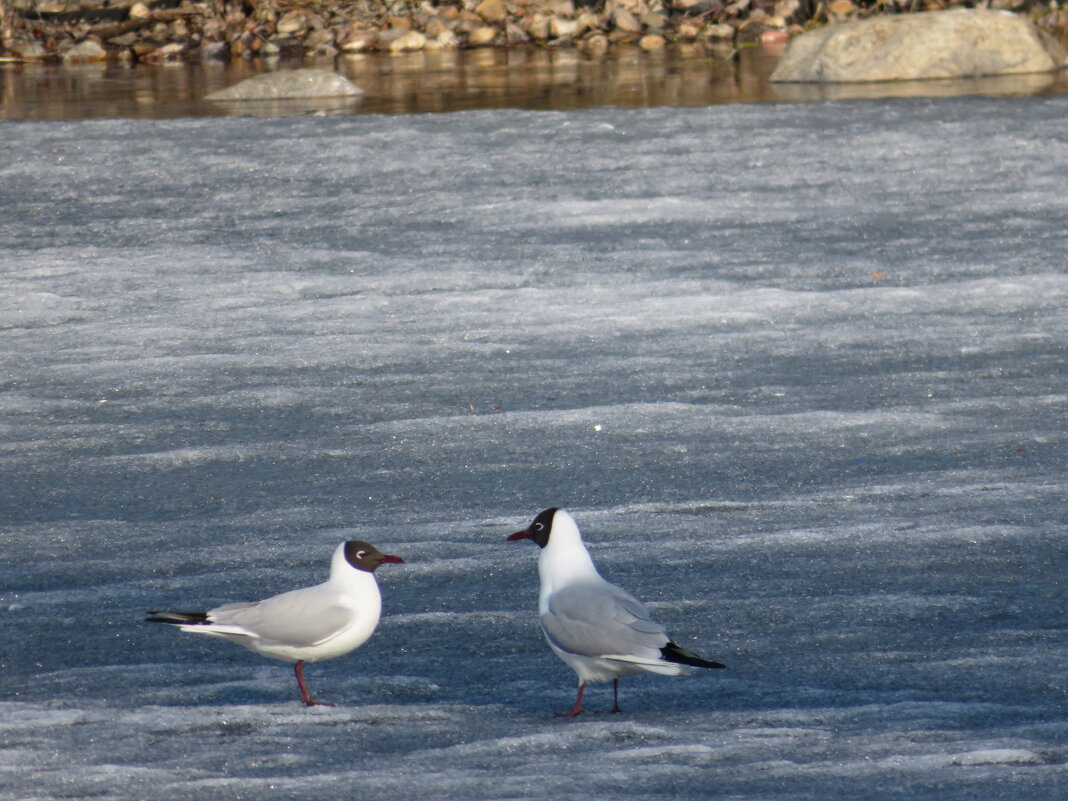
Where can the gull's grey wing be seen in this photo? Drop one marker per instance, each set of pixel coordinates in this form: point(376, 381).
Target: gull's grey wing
point(598, 619)
point(300, 618)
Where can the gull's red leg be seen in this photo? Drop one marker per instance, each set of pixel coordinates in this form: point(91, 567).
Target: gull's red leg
point(304, 696)
point(576, 710)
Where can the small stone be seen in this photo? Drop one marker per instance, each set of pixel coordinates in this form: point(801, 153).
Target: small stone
point(538, 27)
point(773, 36)
point(358, 42)
point(720, 31)
point(841, 8)
point(292, 23)
point(623, 20)
point(786, 9)
point(688, 30)
point(514, 35)
point(125, 40)
point(653, 21)
point(589, 21)
point(651, 42)
point(435, 26)
point(492, 10)
point(446, 40)
point(596, 45)
point(565, 29)
point(138, 11)
point(385, 37)
point(168, 53)
point(482, 36)
point(29, 51)
point(407, 42)
point(318, 39)
point(85, 52)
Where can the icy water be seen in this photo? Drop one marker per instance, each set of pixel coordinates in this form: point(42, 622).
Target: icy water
point(798, 370)
point(530, 78)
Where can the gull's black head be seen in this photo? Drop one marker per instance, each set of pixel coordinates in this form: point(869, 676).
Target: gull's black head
point(364, 556)
point(539, 530)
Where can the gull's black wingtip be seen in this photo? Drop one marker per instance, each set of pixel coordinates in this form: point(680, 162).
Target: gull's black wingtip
point(673, 653)
point(177, 618)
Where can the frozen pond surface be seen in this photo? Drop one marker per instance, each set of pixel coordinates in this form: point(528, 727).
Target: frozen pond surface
point(798, 371)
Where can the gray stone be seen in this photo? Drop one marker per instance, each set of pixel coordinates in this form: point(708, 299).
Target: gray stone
point(937, 44)
point(89, 50)
point(301, 83)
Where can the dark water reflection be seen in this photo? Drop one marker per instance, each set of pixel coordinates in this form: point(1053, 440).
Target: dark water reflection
point(456, 80)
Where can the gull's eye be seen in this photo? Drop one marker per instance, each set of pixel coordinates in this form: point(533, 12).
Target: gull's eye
point(361, 554)
point(539, 526)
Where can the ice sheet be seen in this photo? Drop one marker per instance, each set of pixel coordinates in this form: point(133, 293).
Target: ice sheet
point(798, 371)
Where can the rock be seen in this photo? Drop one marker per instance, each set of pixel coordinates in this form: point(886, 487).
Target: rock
point(84, 52)
point(292, 23)
point(492, 10)
point(652, 20)
point(594, 46)
point(482, 36)
point(936, 44)
point(721, 31)
point(514, 35)
point(356, 41)
point(538, 27)
point(623, 20)
point(28, 50)
point(841, 8)
point(302, 83)
point(386, 36)
point(435, 26)
point(448, 40)
point(787, 9)
point(407, 42)
point(167, 53)
point(565, 29)
point(688, 30)
point(651, 42)
point(773, 36)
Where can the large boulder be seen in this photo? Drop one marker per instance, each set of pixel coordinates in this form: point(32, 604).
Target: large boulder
point(287, 84)
point(938, 44)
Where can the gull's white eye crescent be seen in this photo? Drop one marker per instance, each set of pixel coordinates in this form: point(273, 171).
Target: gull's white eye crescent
point(538, 526)
point(361, 554)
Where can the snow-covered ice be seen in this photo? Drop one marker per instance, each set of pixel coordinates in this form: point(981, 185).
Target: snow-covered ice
point(798, 371)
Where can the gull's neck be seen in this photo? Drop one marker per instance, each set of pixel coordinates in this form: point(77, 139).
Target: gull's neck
point(565, 559)
point(346, 577)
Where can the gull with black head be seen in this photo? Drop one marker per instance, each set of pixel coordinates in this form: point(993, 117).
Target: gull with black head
point(306, 625)
point(600, 630)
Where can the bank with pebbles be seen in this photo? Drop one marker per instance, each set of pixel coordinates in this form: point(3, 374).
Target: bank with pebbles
point(129, 31)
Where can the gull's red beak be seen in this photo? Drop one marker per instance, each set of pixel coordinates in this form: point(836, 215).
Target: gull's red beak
point(520, 535)
point(396, 560)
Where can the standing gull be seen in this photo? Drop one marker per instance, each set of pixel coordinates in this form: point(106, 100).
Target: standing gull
point(306, 625)
point(600, 630)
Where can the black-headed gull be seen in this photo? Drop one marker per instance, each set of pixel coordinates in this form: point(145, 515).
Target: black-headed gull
point(600, 630)
point(306, 625)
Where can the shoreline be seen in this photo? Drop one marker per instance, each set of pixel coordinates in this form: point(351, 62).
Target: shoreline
point(183, 31)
